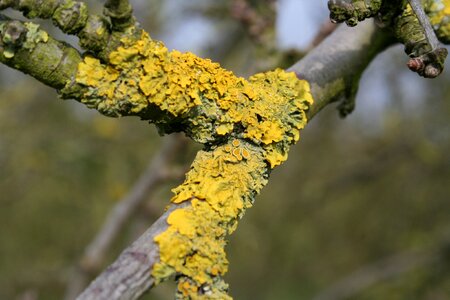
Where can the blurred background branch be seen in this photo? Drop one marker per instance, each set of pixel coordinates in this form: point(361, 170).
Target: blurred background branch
point(157, 172)
point(387, 269)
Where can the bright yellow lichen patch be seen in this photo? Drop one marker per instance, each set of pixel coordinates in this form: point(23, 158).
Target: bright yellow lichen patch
point(439, 13)
point(248, 126)
point(172, 88)
point(220, 187)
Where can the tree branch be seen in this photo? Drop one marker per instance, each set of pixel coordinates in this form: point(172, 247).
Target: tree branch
point(334, 67)
point(339, 61)
point(416, 6)
point(25, 47)
point(431, 63)
point(130, 275)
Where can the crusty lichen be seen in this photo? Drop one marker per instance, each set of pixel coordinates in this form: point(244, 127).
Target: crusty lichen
point(247, 126)
point(410, 32)
point(220, 186)
point(179, 90)
point(352, 11)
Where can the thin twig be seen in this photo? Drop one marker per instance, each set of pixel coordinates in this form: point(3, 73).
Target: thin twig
point(416, 6)
point(156, 172)
point(430, 64)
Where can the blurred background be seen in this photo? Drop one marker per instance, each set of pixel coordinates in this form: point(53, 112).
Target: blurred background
point(361, 210)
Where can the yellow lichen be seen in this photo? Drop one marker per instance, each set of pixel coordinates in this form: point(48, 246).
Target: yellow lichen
point(220, 188)
point(144, 78)
point(248, 126)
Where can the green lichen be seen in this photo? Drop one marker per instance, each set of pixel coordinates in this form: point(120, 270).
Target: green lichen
point(409, 32)
point(352, 11)
point(34, 36)
point(70, 16)
point(399, 12)
point(17, 35)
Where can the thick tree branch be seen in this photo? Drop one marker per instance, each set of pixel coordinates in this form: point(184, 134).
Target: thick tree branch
point(364, 43)
point(334, 67)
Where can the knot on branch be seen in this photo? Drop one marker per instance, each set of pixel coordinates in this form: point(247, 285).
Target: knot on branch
point(95, 34)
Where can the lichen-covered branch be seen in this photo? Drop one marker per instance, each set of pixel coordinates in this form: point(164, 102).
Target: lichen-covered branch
point(97, 33)
point(222, 184)
point(415, 24)
point(181, 92)
point(25, 47)
point(246, 125)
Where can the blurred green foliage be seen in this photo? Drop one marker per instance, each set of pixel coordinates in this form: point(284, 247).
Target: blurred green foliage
point(352, 193)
